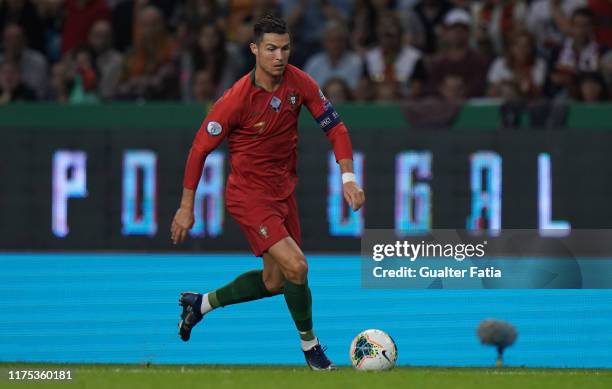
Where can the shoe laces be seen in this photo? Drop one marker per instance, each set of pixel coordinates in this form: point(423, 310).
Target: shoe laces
point(318, 353)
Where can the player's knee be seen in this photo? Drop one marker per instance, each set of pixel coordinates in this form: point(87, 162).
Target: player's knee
point(297, 269)
point(274, 284)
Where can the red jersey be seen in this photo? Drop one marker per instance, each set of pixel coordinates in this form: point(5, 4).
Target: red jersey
point(80, 17)
point(602, 12)
point(261, 128)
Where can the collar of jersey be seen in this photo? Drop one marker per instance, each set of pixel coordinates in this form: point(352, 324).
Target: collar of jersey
point(252, 77)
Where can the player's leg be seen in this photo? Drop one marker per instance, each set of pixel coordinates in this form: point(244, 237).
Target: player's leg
point(298, 268)
point(292, 262)
point(273, 277)
point(298, 295)
point(248, 286)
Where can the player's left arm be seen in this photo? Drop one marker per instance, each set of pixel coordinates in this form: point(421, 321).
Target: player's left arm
point(353, 194)
point(329, 121)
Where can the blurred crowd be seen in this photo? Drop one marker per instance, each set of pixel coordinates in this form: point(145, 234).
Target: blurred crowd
point(88, 51)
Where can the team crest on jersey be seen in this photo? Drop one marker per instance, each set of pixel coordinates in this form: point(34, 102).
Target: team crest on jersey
point(293, 99)
point(263, 231)
point(275, 103)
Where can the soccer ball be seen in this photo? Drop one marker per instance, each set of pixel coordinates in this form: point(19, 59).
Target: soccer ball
point(373, 350)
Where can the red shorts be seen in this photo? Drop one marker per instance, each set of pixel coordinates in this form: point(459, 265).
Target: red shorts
point(266, 222)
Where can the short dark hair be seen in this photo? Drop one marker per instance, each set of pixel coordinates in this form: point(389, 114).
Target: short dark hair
point(595, 77)
point(583, 11)
point(269, 23)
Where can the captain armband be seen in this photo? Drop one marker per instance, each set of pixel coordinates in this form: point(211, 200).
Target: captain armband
point(329, 118)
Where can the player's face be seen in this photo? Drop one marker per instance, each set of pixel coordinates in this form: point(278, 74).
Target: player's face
point(272, 53)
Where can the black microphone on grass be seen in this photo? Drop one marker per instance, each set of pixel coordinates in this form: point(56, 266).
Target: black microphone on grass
point(497, 333)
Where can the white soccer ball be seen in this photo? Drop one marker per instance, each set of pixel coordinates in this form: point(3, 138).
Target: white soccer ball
point(373, 350)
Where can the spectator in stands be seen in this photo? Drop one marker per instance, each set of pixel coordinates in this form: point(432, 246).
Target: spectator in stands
point(85, 83)
point(239, 19)
point(196, 13)
point(602, 13)
point(24, 14)
point(122, 16)
point(74, 79)
point(204, 88)
point(606, 67)
point(240, 15)
point(548, 20)
point(125, 20)
point(150, 71)
point(337, 61)
point(80, 16)
point(62, 75)
point(591, 88)
point(391, 61)
point(11, 86)
point(457, 58)
point(190, 15)
point(495, 21)
point(423, 23)
point(510, 91)
point(453, 89)
point(463, 4)
point(32, 64)
point(366, 15)
point(221, 60)
point(52, 20)
point(362, 27)
point(520, 65)
point(337, 90)
point(107, 60)
point(306, 20)
point(579, 53)
point(387, 91)
point(365, 91)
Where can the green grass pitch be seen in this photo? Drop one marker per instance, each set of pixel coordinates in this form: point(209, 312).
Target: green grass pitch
point(289, 377)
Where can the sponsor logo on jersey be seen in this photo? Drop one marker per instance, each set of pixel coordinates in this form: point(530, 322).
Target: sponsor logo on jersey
point(275, 103)
point(214, 128)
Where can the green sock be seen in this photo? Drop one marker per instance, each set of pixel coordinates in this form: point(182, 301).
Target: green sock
point(247, 287)
point(307, 335)
point(299, 302)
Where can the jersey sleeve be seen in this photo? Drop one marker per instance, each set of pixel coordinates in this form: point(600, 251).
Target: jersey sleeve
point(327, 118)
point(219, 122)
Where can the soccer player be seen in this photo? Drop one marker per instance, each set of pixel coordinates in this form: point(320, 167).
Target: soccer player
point(258, 115)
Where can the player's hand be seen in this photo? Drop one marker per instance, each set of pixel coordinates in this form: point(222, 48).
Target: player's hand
point(182, 223)
point(354, 195)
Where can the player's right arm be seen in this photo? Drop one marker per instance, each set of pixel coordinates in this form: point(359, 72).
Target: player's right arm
point(215, 127)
